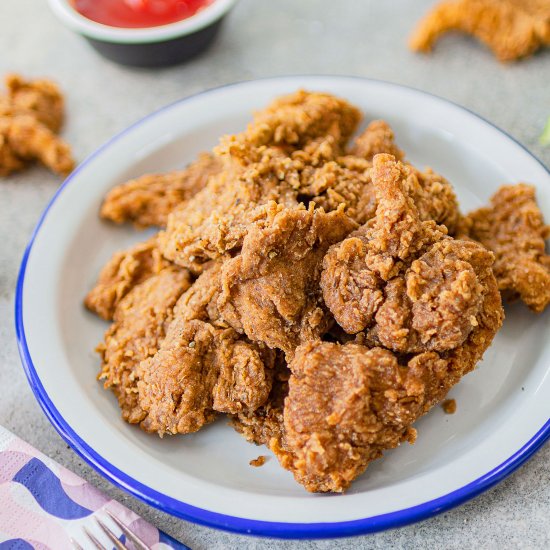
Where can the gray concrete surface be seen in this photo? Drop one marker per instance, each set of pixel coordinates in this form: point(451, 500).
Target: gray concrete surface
point(265, 38)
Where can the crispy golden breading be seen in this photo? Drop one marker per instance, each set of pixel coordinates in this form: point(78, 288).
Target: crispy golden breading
point(331, 307)
point(271, 289)
point(292, 122)
point(402, 281)
point(347, 404)
point(213, 222)
point(149, 199)
point(31, 114)
point(512, 227)
point(23, 138)
point(201, 367)
point(139, 326)
point(42, 98)
point(266, 422)
point(377, 138)
point(511, 28)
point(121, 273)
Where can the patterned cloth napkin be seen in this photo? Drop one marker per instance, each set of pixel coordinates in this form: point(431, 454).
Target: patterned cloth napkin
point(43, 505)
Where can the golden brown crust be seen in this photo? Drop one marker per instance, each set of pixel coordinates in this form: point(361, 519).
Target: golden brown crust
point(271, 289)
point(122, 272)
point(402, 281)
point(31, 115)
point(377, 138)
point(512, 227)
point(149, 199)
point(141, 319)
point(511, 28)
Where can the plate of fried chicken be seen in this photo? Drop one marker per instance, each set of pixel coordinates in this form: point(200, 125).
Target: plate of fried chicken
point(262, 294)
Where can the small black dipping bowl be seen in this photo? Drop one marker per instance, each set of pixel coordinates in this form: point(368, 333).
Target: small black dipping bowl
point(149, 47)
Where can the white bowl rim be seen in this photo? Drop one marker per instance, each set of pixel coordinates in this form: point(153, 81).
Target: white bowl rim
point(232, 523)
point(64, 10)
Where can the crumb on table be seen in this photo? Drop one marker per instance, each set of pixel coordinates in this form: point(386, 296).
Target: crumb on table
point(449, 406)
point(257, 462)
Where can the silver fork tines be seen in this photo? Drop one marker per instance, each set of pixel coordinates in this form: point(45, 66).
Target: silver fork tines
point(137, 543)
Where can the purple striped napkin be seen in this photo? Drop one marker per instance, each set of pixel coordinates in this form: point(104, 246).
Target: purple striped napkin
point(43, 505)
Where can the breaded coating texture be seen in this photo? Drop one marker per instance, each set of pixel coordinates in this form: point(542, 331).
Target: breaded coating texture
point(512, 227)
point(140, 323)
point(202, 368)
point(31, 114)
point(377, 138)
point(292, 122)
point(271, 289)
point(122, 272)
point(402, 281)
point(149, 199)
point(214, 222)
point(347, 404)
point(266, 422)
point(42, 98)
point(511, 28)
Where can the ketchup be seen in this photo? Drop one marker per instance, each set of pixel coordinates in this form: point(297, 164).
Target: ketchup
point(138, 13)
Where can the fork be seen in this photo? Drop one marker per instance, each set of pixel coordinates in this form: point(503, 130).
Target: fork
point(136, 541)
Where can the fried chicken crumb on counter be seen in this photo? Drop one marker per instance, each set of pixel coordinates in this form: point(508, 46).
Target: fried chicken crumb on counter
point(31, 116)
point(316, 289)
point(512, 29)
point(449, 406)
point(513, 228)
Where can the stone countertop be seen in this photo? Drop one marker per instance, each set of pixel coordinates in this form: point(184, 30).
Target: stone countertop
point(264, 38)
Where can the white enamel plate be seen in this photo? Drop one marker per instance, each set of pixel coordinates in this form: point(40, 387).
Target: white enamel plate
point(503, 406)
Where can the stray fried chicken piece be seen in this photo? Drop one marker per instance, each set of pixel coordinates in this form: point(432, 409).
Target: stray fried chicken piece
point(401, 280)
point(291, 122)
point(347, 404)
point(31, 114)
point(271, 289)
point(377, 138)
point(122, 272)
point(24, 138)
point(511, 28)
point(140, 323)
point(41, 98)
point(266, 422)
point(512, 227)
point(148, 200)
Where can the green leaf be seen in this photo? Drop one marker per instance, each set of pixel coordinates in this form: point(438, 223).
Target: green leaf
point(545, 136)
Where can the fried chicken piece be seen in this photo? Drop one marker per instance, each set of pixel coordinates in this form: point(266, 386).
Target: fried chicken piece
point(149, 199)
point(214, 221)
point(342, 181)
point(512, 227)
point(347, 404)
point(124, 271)
point(511, 28)
point(402, 281)
point(377, 138)
point(271, 289)
point(141, 319)
point(23, 138)
point(265, 162)
point(31, 114)
point(266, 422)
point(41, 98)
point(292, 122)
point(202, 367)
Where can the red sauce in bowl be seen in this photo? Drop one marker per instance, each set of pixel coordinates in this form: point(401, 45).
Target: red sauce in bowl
point(138, 13)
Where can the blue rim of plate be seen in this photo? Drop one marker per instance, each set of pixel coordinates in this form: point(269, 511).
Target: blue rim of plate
point(231, 523)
